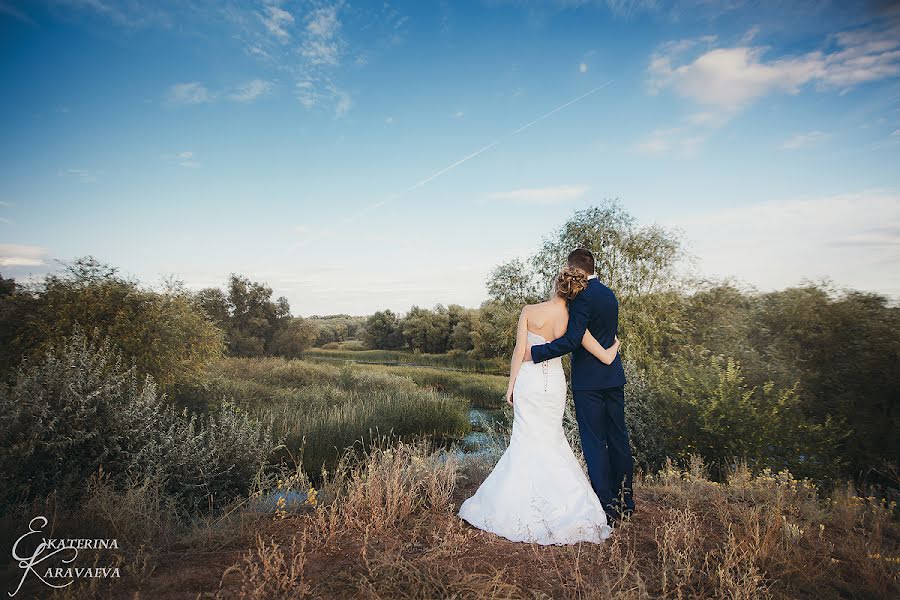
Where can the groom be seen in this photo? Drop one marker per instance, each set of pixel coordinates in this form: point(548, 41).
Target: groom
point(598, 389)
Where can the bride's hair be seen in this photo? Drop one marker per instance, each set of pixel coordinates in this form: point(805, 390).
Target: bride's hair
point(570, 282)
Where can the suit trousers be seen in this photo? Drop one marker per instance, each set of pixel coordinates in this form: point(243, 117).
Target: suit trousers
point(607, 450)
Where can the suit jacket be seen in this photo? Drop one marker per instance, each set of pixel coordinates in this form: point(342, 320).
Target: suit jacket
point(597, 310)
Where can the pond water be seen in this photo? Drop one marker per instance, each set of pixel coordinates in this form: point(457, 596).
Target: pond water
point(479, 440)
point(293, 499)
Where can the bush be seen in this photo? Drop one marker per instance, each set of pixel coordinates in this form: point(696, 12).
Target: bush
point(80, 409)
point(293, 337)
point(165, 333)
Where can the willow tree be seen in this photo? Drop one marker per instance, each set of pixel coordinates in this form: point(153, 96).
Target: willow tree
point(638, 262)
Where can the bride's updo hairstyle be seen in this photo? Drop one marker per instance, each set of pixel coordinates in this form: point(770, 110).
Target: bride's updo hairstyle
point(570, 282)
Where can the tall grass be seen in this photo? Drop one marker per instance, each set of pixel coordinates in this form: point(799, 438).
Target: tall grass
point(480, 389)
point(459, 362)
point(319, 410)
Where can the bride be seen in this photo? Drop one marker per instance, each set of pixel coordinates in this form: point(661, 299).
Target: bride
point(538, 491)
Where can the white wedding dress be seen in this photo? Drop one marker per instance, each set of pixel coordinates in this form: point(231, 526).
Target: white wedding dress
point(538, 492)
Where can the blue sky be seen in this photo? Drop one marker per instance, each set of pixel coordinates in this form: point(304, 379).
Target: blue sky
point(367, 155)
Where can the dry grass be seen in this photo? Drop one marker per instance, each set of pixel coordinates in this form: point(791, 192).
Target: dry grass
point(384, 525)
point(388, 529)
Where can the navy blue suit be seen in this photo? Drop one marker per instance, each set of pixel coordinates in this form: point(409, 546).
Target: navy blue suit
point(599, 393)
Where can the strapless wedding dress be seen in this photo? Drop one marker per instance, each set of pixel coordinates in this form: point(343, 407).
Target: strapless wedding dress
point(538, 491)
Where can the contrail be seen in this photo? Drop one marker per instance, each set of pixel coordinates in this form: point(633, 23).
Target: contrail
point(559, 108)
point(396, 196)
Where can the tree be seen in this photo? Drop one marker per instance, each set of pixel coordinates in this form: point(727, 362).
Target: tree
point(164, 333)
point(383, 331)
point(427, 331)
point(462, 326)
point(254, 318)
point(495, 331)
point(293, 337)
point(640, 264)
point(843, 347)
point(512, 282)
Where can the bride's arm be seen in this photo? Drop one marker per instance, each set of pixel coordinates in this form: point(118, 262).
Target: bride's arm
point(518, 354)
point(606, 355)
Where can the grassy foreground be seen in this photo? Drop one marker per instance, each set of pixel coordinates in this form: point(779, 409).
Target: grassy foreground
point(385, 526)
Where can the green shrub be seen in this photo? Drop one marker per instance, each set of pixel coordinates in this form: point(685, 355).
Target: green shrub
point(166, 334)
point(80, 409)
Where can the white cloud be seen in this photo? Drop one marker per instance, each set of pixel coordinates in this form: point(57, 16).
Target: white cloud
point(323, 22)
point(729, 79)
point(322, 41)
point(275, 20)
point(389, 120)
point(582, 68)
point(18, 255)
point(546, 195)
point(459, 114)
point(725, 80)
point(192, 92)
point(800, 140)
point(852, 238)
point(251, 90)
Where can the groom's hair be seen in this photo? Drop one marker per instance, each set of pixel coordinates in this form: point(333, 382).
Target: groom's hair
point(582, 259)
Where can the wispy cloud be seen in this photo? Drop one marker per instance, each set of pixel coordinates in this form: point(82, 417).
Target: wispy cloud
point(16, 13)
point(312, 44)
point(251, 90)
point(545, 195)
point(185, 158)
point(682, 141)
point(538, 11)
point(18, 255)
point(322, 43)
point(81, 175)
point(276, 19)
point(192, 92)
point(134, 14)
point(196, 92)
point(801, 140)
